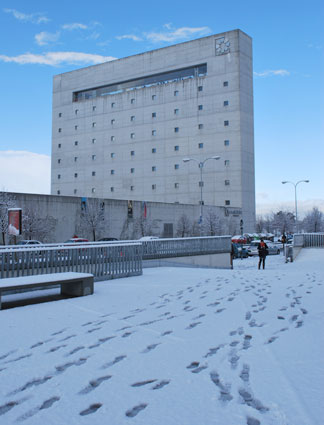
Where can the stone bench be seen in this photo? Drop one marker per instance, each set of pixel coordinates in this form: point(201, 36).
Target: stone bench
point(75, 284)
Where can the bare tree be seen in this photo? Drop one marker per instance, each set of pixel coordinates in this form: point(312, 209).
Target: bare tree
point(92, 218)
point(283, 222)
point(6, 201)
point(212, 224)
point(36, 227)
point(314, 221)
point(143, 226)
point(184, 227)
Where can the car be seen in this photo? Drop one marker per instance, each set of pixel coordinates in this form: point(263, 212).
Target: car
point(29, 242)
point(239, 251)
point(148, 238)
point(272, 248)
point(76, 240)
point(107, 239)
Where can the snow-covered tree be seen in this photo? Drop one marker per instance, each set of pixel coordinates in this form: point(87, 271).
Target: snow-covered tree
point(184, 227)
point(314, 221)
point(36, 227)
point(6, 201)
point(92, 218)
point(283, 222)
point(212, 224)
point(143, 226)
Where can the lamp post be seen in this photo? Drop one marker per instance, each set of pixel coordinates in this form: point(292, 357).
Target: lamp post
point(295, 185)
point(201, 166)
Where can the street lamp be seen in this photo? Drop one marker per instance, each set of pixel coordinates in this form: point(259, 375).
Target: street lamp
point(295, 185)
point(201, 166)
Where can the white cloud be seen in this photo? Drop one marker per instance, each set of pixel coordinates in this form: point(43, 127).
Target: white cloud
point(44, 38)
point(57, 58)
point(271, 73)
point(35, 18)
point(129, 37)
point(74, 26)
point(26, 172)
point(172, 34)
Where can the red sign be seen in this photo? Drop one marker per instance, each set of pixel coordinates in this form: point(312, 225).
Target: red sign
point(14, 221)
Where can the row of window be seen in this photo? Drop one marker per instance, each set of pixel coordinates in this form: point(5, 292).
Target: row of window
point(132, 135)
point(176, 110)
point(132, 188)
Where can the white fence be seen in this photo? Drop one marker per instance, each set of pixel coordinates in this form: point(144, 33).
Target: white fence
point(307, 240)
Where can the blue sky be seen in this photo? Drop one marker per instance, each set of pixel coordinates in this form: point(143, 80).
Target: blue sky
point(42, 39)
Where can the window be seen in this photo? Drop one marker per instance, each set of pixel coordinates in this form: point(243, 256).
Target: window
point(75, 175)
point(112, 172)
point(153, 132)
point(60, 114)
point(176, 129)
point(58, 192)
point(226, 142)
point(93, 190)
point(201, 184)
point(176, 166)
point(60, 130)
point(200, 107)
point(112, 155)
point(226, 162)
point(176, 112)
point(75, 127)
point(200, 145)
point(132, 153)
point(225, 83)
point(93, 157)
point(76, 143)
point(132, 118)
point(94, 124)
point(59, 161)
point(200, 88)
point(154, 168)
point(132, 135)
point(176, 185)
point(94, 141)
point(93, 173)
point(153, 114)
point(113, 104)
point(112, 189)
point(59, 176)
point(176, 148)
point(59, 145)
point(176, 92)
point(75, 159)
point(75, 191)
point(112, 122)
point(76, 111)
point(132, 101)
point(226, 123)
point(227, 202)
point(153, 186)
point(132, 188)
point(112, 138)
point(227, 182)
point(153, 96)
point(200, 126)
point(153, 150)
point(94, 108)
point(225, 102)
point(132, 170)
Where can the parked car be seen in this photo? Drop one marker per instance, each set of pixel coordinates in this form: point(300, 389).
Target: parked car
point(29, 242)
point(107, 239)
point(76, 240)
point(272, 248)
point(239, 251)
point(148, 238)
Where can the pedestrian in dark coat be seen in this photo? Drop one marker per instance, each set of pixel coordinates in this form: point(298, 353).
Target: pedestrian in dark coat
point(263, 252)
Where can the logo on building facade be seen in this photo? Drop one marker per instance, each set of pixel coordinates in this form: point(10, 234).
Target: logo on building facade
point(222, 46)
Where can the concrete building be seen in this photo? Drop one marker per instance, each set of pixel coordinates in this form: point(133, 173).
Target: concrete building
point(121, 129)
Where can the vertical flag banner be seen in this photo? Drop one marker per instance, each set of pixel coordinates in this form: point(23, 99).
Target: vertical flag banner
point(144, 208)
point(14, 221)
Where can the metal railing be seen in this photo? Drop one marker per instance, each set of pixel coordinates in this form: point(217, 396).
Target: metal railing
point(103, 261)
point(179, 247)
point(307, 240)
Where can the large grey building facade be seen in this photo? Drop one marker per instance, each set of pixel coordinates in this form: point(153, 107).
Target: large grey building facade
point(121, 129)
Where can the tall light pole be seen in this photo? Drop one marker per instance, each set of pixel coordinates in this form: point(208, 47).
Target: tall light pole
point(295, 185)
point(201, 166)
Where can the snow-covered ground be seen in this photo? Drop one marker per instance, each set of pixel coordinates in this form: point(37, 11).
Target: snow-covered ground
point(172, 347)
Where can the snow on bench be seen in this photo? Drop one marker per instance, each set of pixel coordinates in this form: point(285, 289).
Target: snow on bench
point(75, 284)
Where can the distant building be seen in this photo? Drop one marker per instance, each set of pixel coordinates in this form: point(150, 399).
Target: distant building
point(121, 129)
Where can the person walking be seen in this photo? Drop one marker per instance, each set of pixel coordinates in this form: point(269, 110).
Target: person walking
point(263, 252)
